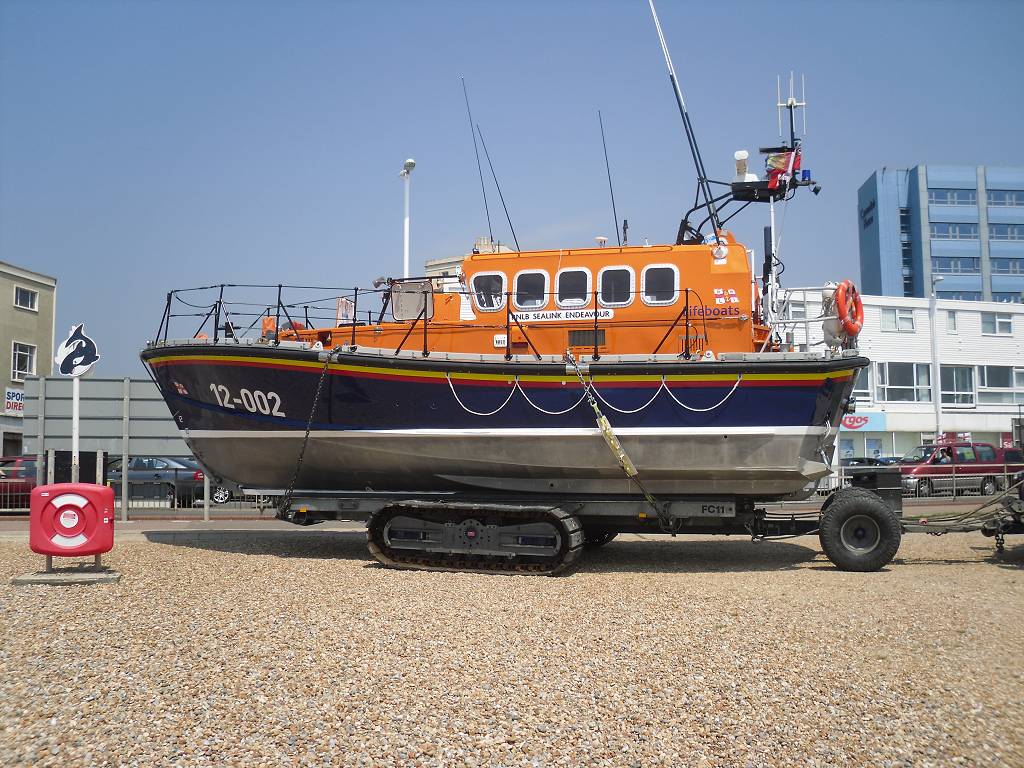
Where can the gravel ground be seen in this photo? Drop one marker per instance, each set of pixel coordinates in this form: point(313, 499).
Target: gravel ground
point(297, 650)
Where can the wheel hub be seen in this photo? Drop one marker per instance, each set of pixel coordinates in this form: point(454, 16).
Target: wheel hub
point(860, 534)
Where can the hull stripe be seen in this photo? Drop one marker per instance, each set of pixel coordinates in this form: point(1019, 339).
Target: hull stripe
point(500, 432)
point(532, 381)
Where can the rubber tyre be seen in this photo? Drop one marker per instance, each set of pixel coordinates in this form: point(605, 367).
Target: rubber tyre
point(847, 491)
point(595, 539)
point(925, 488)
point(859, 532)
point(989, 487)
point(220, 495)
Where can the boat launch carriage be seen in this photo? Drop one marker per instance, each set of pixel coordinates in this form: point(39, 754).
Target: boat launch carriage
point(537, 401)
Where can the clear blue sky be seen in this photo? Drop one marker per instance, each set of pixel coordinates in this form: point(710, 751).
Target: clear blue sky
point(151, 145)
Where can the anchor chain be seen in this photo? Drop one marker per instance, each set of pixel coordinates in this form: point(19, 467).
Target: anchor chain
point(668, 523)
point(284, 509)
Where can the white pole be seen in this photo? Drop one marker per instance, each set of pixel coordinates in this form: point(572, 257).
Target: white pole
point(936, 376)
point(75, 389)
point(405, 227)
point(125, 445)
point(405, 173)
point(206, 496)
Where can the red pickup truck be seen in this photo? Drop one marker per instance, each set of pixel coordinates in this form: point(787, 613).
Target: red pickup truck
point(17, 479)
point(959, 467)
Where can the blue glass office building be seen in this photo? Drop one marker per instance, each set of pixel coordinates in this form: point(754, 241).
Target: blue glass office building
point(964, 223)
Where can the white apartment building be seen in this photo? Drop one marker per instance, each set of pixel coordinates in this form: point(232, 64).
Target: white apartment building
point(981, 356)
point(27, 316)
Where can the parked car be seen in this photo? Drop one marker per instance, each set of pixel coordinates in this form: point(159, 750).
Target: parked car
point(175, 478)
point(17, 479)
point(860, 461)
point(958, 467)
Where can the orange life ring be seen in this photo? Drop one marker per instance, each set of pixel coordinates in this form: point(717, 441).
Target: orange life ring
point(850, 308)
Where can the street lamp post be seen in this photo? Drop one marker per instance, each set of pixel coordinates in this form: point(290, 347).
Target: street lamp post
point(406, 174)
point(933, 313)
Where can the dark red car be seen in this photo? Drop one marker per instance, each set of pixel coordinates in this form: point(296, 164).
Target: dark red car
point(17, 479)
point(959, 467)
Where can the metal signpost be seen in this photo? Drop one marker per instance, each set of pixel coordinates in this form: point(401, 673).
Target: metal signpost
point(76, 356)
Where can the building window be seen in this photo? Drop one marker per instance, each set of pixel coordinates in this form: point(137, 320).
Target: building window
point(952, 197)
point(959, 295)
point(950, 321)
point(23, 360)
point(572, 288)
point(898, 320)
point(1000, 385)
point(531, 289)
point(904, 383)
point(795, 310)
point(862, 387)
point(1006, 231)
point(955, 265)
point(26, 298)
point(1007, 297)
point(1007, 266)
point(489, 291)
point(996, 323)
point(659, 284)
point(907, 254)
point(940, 230)
point(1006, 198)
point(615, 286)
point(957, 384)
point(904, 221)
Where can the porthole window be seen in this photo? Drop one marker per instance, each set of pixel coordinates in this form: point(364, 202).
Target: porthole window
point(573, 287)
point(531, 289)
point(660, 284)
point(615, 286)
point(489, 291)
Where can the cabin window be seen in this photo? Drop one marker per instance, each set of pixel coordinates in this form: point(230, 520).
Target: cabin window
point(660, 284)
point(531, 289)
point(615, 286)
point(573, 286)
point(489, 291)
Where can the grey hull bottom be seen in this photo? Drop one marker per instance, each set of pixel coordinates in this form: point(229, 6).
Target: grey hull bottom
point(760, 463)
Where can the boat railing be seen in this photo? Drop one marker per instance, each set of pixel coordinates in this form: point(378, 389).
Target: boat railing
point(234, 311)
point(800, 332)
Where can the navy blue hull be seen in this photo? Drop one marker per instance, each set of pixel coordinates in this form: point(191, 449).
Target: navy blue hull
point(491, 424)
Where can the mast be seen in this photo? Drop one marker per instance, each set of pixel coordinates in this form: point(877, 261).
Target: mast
point(702, 177)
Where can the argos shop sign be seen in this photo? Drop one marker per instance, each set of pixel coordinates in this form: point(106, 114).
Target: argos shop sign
point(864, 422)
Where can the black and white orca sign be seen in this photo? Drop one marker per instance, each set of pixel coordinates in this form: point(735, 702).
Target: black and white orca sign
point(77, 354)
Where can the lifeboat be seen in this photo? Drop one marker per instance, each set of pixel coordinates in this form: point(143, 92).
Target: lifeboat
point(533, 402)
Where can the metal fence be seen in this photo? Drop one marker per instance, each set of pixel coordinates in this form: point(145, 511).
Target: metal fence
point(175, 490)
point(957, 481)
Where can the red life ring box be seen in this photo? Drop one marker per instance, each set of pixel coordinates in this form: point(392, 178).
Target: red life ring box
point(71, 519)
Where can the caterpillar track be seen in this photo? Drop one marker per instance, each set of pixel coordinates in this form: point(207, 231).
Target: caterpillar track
point(475, 538)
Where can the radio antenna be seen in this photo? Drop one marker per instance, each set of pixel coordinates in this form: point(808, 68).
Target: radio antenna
point(496, 184)
point(479, 168)
point(611, 191)
point(791, 105)
point(702, 177)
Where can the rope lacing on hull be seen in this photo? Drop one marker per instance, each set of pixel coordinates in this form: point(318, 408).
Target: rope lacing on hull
point(589, 388)
point(467, 409)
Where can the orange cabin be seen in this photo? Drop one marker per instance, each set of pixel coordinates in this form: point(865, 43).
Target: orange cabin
point(665, 299)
